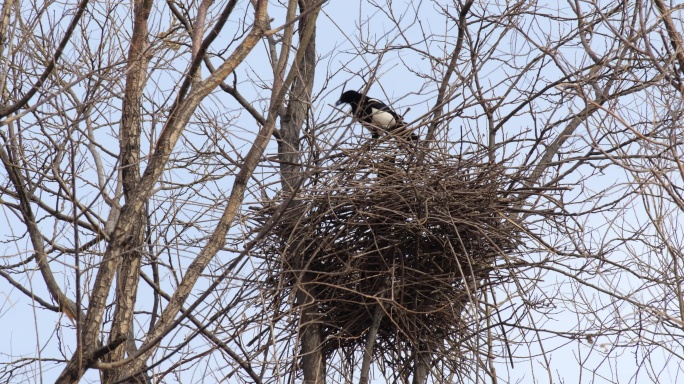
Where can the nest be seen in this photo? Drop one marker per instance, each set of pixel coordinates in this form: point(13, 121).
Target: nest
point(396, 234)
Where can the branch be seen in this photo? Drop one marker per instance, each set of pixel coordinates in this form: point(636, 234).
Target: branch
point(675, 38)
point(51, 66)
point(202, 50)
point(439, 104)
point(65, 304)
point(370, 342)
point(28, 293)
point(74, 369)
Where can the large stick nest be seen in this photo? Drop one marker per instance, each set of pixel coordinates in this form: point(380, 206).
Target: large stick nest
point(396, 233)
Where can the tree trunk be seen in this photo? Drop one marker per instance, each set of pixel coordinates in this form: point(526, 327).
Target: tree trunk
point(292, 122)
point(129, 155)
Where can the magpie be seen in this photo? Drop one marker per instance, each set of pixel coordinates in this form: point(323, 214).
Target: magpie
point(374, 114)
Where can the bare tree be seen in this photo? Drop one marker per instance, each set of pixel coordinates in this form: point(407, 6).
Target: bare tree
point(181, 201)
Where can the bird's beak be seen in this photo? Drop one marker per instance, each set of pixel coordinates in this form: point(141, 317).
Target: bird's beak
point(338, 102)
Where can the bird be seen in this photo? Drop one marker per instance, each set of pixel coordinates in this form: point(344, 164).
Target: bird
point(374, 114)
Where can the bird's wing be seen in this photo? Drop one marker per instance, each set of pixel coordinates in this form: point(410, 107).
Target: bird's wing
point(379, 114)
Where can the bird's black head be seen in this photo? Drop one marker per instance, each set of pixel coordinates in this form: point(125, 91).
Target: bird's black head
point(349, 97)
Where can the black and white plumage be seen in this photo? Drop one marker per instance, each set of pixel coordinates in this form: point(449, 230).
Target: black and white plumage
point(374, 114)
